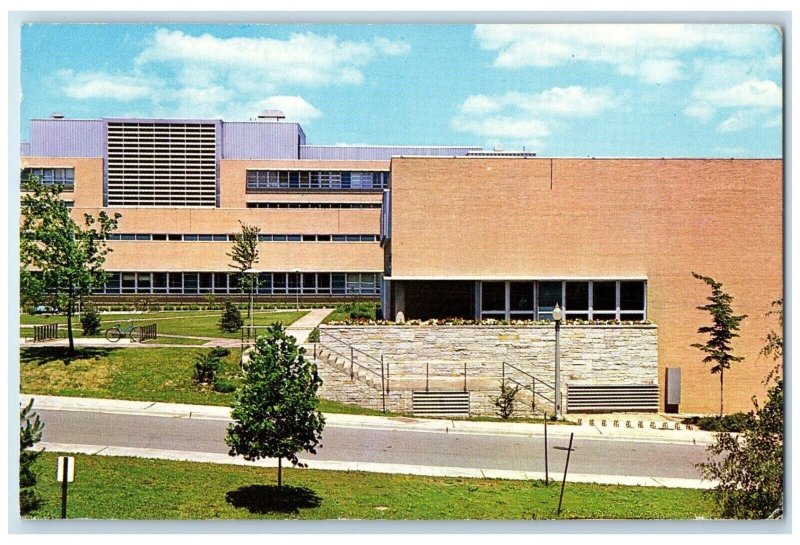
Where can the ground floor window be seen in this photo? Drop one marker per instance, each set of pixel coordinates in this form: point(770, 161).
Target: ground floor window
point(621, 300)
point(278, 283)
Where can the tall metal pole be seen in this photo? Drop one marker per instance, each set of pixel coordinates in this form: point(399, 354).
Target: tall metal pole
point(546, 465)
point(558, 369)
point(64, 488)
point(566, 468)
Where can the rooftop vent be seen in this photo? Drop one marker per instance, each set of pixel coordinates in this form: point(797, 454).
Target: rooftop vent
point(57, 115)
point(272, 115)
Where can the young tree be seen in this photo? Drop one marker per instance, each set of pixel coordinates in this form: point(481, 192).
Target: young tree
point(90, 320)
point(231, 319)
point(774, 342)
point(244, 253)
point(30, 433)
point(275, 411)
point(718, 348)
point(60, 261)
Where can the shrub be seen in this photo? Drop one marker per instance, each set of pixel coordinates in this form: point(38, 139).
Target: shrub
point(90, 320)
point(313, 337)
point(206, 365)
point(30, 433)
point(225, 385)
point(733, 423)
point(749, 467)
point(231, 319)
point(505, 401)
point(221, 352)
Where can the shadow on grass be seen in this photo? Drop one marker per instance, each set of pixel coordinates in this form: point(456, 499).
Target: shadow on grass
point(263, 499)
point(49, 354)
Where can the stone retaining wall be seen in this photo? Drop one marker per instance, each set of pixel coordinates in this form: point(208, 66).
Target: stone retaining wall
point(590, 354)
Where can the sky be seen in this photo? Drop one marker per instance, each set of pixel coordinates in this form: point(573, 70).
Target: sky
point(558, 90)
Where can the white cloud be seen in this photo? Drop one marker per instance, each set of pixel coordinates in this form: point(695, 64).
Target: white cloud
point(180, 74)
point(296, 108)
point(734, 123)
point(393, 48)
point(775, 121)
point(527, 118)
point(752, 92)
point(650, 52)
point(702, 112)
point(98, 85)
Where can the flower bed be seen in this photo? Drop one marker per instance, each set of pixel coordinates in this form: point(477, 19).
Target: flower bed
point(489, 321)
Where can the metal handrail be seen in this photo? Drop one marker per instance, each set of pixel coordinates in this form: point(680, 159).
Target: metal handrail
point(530, 376)
point(532, 387)
point(348, 345)
point(352, 360)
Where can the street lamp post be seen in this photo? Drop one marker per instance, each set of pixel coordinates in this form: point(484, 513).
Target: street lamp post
point(557, 315)
point(297, 289)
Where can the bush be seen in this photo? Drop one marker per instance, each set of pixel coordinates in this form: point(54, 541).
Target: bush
point(221, 352)
point(231, 319)
point(225, 385)
point(30, 433)
point(313, 337)
point(505, 401)
point(206, 366)
point(90, 320)
point(733, 423)
point(749, 468)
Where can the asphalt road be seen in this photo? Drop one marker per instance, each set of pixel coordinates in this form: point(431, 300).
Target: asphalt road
point(590, 456)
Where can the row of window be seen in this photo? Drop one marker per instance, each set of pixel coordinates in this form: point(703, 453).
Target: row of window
point(313, 205)
point(190, 283)
point(622, 300)
point(259, 180)
point(50, 176)
point(231, 238)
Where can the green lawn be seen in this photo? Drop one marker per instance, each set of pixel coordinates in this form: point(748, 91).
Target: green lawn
point(134, 488)
point(139, 374)
point(199, 323)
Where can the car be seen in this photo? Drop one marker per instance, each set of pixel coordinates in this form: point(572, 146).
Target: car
point(43, 309)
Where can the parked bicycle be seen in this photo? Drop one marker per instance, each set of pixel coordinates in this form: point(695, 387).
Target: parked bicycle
point(115, 333)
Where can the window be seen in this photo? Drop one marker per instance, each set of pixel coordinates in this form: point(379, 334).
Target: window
point(576, 300)
point(159, 282)
point(521, 301)
point(604, 300)
point(631, 301)
point(493, 300)
point(143, 283)
point(549, 295)
point(175, 283)
point(128, 282)
point(189, 282)
point(257, 181)
point(50, 176)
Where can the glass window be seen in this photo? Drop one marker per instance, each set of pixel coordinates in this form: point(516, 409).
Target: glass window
point(205, 238)
point(631, 295)
point(175, 282)
point(157, 236)
point(631, 317)
point(112, 283)
point(279, 282)
point(206, 280)
point(324, 282)
point(323, 238)
point(339, 238)
point(189, 282)
point(143, 283)
point(337, 282)
point(190, 238)
point(175, 237)
point(493, 296)
point(293, 238)
point(159, 282)
point(128, 282)
point(549, 295)
point(576, 296)
point(604, 296)
point(521, 296)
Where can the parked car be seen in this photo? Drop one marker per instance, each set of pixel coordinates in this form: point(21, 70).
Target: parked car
point(43, 309)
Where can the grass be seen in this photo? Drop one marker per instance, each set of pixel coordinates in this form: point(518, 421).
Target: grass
point(199, 323)
point(134, 488)
point(347, 311)
point(138, 374)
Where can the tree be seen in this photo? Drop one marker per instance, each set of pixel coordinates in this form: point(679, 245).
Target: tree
point(774, 342)
point(718, 348)
point(90, 320)
point(30, 433)
point(231, 319)
point(275, 411)
point(244, 253)
point(60, 261)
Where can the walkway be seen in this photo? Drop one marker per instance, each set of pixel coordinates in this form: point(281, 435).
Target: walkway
point(302, 328)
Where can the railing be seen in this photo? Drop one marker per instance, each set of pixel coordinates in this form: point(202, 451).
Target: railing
point(45, 332)
point(345, 350)
point(530, 387)
point(147, 332)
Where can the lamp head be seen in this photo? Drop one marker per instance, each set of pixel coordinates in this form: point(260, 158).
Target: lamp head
point(557, 313)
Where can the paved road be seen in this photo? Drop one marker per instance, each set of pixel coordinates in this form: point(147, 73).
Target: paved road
point(591, 456)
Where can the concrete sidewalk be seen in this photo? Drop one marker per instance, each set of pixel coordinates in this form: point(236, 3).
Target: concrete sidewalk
point(302, 328)
point(374, 467)
point(397, 423)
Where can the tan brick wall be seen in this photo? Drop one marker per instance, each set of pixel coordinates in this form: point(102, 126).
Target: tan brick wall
point(659, 219)
point(88, 177)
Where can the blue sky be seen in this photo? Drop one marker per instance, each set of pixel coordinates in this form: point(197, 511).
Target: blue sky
point(561, 90)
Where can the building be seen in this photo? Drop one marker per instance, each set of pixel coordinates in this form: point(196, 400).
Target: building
point(607, 239)
point(183, 186)
point(438, 232)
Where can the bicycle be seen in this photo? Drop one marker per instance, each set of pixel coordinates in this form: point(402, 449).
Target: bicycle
point(115, 333)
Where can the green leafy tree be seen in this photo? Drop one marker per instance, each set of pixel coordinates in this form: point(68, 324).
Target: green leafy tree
point(275, 411)
point(60, 261)
point(774, 343)
point(30, 433)
point(244, 254)
point(749, 466)
point(505, 400)
point(725, 324)
point(231, 319)
point(90, 320)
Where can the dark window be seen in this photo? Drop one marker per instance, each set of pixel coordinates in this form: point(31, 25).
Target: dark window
point(604, 296)
point(576, 296)
point(493, 296)
point(549, 295)
point(159, 237)
point(521, 296)
point(631, 295)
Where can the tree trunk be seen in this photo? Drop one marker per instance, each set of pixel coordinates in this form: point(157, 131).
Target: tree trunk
point(69, 323)
point(721, 381)
point(280, 476)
